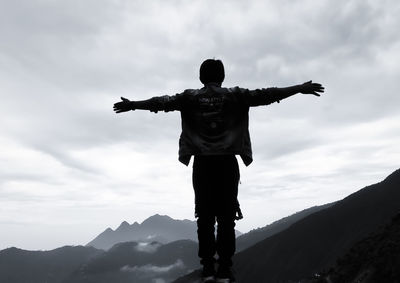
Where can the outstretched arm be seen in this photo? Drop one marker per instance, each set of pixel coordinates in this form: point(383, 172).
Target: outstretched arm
point(127, 105)
point(305, 88)
point(155, 104)
point(274, 94)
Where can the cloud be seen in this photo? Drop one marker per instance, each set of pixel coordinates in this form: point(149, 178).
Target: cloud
point(150, 269)
point(147, 247)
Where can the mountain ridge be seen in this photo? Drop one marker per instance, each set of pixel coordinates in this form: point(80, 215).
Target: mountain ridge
point(22, 266)
point(322, 237)
point(250, 238)
point(160, 228)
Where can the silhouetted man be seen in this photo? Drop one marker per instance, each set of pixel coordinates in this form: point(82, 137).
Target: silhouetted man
point(214, 131)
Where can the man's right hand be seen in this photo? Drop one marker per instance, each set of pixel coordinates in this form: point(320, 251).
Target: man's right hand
point(123, 106)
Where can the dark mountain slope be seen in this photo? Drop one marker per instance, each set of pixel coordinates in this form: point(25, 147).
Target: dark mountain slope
point(23, 266)
point(254, 236)
point(315, 242)
point(374, 259)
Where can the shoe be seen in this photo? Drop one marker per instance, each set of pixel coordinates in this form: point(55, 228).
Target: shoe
point(225, 275)
point(209, 279)
point(208, 273)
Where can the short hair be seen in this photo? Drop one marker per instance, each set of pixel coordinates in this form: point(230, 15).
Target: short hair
point(212, 71)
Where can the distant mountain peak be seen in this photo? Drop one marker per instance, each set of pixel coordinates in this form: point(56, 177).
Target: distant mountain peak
point(156, 219)
point(123, 226)
point(159, 216)
point(160, 228)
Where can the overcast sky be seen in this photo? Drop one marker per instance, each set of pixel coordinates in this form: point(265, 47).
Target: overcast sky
point(70, 167)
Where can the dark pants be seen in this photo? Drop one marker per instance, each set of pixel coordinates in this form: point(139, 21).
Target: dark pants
point(215, 183)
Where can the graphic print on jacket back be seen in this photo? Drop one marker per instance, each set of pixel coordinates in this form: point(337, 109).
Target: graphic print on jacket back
point(212, 122)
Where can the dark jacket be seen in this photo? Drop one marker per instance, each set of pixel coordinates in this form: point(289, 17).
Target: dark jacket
point(215, 119)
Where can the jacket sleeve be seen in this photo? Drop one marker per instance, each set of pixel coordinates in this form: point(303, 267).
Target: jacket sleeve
point(161, 103)
point(262, 96)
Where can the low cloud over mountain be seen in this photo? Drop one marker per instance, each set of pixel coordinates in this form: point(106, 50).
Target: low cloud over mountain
point(126, 263)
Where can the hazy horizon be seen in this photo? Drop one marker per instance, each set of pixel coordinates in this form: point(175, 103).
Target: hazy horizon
point(70, 167)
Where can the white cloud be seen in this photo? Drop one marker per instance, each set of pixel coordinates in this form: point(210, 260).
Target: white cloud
point(147, 247)
point(150, 269)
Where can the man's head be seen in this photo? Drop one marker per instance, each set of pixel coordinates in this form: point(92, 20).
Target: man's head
point(212, 71)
